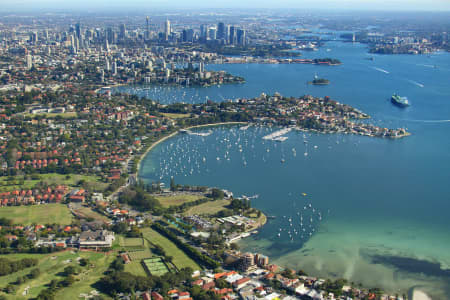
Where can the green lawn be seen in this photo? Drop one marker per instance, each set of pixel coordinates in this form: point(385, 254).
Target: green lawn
point(138, 255)
point(135, 268)
point(51, 267)
point(131, 244)
point(69, 180)
point(180, 259)
point(89, 213)
point(38, 214)
point(86, 279)
point(175, 116)
point(208, 208)
point(65, 115)
point(176, 200)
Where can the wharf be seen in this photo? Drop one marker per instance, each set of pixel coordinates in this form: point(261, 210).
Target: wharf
point(274, 136)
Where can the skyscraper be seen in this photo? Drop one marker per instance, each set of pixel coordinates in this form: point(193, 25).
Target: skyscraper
point(188, 35)
point(240, 36)
point(167, 30)
point(34, 37)
point(107, 66)
point(204, 32)
point(220, 30)
point(29, 60)
point(106, 45)
point(110, 35)
point(123, 31)
point(114, 68)
point(232, 35)
point(227, 34)
point(212, 32)
point(147, 30)
point(78, 30)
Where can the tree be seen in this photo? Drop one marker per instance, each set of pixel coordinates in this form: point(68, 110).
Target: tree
point(120, 227)
point(117, 264)
point(84, 262)
point(217, 193)
point(34, 273)
point(70, 270)
point(234, 246)
point(173, 186)
point(68, 281)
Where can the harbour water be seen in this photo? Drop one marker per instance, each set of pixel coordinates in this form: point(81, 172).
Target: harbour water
point(375, 211)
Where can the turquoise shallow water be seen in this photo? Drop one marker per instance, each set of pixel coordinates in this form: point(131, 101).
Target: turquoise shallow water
point(379, 210)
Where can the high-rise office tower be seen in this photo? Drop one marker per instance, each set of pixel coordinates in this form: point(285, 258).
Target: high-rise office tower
point(232, 40)
point(220, 30)
point(212, 32)
point(110, 35)
point(106, 45)
point(107, 66)
point(188, 35)
point(227, 34)
point(29, 59)
point(240, 36)
point(147, 29)
point(114, 68)
point(167, 30)
point(123, 31)
point(78, 30)
point(34, 37)
point(204, 32)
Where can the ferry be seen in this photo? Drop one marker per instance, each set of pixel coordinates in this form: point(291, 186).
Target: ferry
point(399, 101)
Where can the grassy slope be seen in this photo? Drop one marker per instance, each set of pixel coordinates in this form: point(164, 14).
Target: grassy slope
point(52, 268)
point(51, 179)
point(208, 208)
point(39, 214)
point(176, 116)
point(89, 213)
point(180, 259)
point(167, 201)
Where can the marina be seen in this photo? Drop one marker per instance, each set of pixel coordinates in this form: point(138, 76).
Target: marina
point(348, 232)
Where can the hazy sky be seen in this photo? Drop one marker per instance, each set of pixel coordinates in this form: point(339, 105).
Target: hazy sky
point(436, 5)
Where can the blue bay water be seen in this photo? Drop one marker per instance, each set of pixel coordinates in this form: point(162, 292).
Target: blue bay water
point(380, 201)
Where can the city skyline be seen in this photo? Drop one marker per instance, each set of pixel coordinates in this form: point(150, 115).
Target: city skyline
point(378, 5)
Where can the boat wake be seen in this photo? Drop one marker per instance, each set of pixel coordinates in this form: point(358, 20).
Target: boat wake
point(380, 70)
point(428, 121)
point(416, 83)
point(428, 66)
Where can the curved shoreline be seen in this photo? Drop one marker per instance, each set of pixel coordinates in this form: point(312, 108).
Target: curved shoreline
point(154, 144)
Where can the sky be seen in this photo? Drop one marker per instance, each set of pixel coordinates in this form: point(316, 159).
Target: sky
point(406, 5)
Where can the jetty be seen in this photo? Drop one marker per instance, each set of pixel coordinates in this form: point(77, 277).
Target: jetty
point(187, 131)
point(278, 135)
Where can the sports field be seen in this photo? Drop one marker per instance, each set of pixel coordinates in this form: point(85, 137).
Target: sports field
point(131, 243)
point(208, 208)
point(155, 266)
point(180, 259)
point(139, 255)
point(177, 199)
point(37, 214)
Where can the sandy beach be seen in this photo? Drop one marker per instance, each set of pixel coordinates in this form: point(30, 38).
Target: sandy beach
point(419, 295)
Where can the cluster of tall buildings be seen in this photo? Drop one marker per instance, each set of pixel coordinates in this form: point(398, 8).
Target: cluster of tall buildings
point(224, 34)
point(78, 38)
